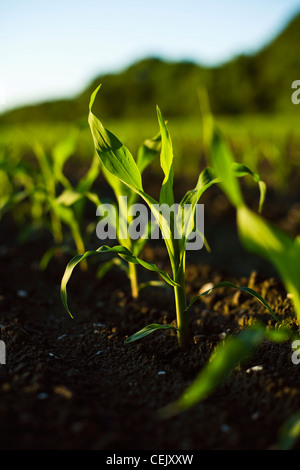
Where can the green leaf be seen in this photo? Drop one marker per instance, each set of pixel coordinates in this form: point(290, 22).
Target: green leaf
point(166, 162)
point(61, 153)
point(66, 215)
point(119, 162)
point(146, 284)
point(114, 155)
point(68, 197)
point(244, 289)
point(148, 151)
point(52, 251)
point(222, 160)
point(147, 330)
point(228, 171)
point(258, 235)
point(240, 169)
point(266, 240)
point(225, 358)
point(45, 167)
point(108, 265)
point(206, 179)
point(86, 182)
point(119, 250)
point(289, 432)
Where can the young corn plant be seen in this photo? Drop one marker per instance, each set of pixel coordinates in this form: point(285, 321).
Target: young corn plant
point(126, 198)
point(226, 357)
point(262, 238)
point(258, 235)
point(56, 202)
point(176, 230)
point(15, 185)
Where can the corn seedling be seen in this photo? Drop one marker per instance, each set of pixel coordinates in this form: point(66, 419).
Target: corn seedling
point(227, 356)
point(15, 184)
point(258, 235)
point(289, 432)
point(119, 162)
point(52, 194)
point(126, 198)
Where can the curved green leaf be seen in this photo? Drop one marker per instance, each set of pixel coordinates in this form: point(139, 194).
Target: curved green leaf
point(222, 160)
point(147, 330)
point(114, 155)
point(258, 235)
point(240, 169)
point(226, 356)
point(289, 432)
point(261, 237)
point(118, 161)
point(224, 359)
point(166, 162)
point(119, 250)
point(206, 179)
point(148, 151)
point(244, 289)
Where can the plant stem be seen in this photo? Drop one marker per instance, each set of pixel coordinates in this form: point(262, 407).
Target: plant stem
point(80, 249)
point(133, 280)
point(180, 303)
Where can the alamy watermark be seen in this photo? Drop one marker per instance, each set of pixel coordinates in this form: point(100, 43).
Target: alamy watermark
point(296, 353)
point(296, 94)
point(2, 352)
point(137, 222)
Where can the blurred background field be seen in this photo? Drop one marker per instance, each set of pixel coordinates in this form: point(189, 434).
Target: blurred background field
point(269, 144)
point(249, 93)
point(250, 97)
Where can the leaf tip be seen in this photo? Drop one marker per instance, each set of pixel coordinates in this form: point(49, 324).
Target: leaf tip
point(93, 96)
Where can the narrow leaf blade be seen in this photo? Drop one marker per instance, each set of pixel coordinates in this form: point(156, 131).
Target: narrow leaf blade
point(224, 359)
point(244, 289)
point(147, 330)
point(114, 155)
point(119, 250)
point(166, 161)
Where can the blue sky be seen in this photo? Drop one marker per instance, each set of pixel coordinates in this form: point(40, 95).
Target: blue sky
point(54, 49)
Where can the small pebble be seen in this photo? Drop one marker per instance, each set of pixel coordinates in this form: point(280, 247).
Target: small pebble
point(225, 428)
point(53, 355)
point(42, 396)
point(62, 336)
point(22, 293)
point(63, 391)
point(254, 369)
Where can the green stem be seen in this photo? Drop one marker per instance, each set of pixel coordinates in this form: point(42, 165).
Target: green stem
point(56, 228)
point(79, 246)
point(133, 280)
point(180, 303)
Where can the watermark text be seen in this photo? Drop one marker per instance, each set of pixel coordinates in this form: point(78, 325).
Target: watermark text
point(296, 94)
point(137, 222)
point(2, 352)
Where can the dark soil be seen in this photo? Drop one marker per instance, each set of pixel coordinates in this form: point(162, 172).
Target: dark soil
point(74, 384)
